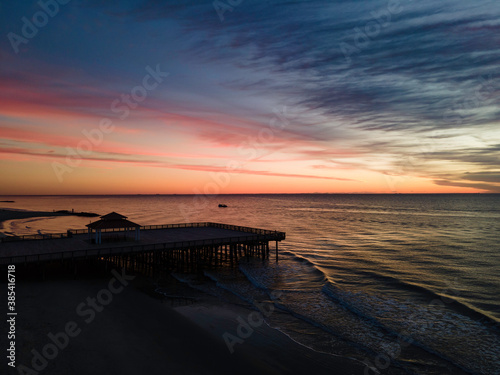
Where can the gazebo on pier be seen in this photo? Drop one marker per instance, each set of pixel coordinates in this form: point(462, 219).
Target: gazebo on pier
point(113, 223)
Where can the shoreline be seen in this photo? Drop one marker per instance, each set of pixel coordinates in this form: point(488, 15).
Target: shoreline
point(139, 333)
point(224, 321)
point(7, 214)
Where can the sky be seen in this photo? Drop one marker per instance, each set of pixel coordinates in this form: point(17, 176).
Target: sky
point(247, 96)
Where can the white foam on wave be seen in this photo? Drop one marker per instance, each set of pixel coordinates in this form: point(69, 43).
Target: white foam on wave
point(434, 326)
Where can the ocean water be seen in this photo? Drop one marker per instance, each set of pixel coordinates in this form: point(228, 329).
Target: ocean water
point(411, 280)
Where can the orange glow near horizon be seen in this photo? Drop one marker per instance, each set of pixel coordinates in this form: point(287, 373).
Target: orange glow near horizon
point(48, 148)
point(186, 159)
point(32, 177)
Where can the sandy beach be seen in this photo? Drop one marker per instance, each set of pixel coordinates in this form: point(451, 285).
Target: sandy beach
point(14, 214)
point(136, 333)
point(17, 214)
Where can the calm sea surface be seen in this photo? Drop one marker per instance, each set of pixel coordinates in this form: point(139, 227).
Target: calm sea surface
point(357, 273)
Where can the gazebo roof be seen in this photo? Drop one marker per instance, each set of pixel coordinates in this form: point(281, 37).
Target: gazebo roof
point(113, 216)
point(112, 220)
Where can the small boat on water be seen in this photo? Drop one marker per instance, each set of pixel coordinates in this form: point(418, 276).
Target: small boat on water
point(222, 205)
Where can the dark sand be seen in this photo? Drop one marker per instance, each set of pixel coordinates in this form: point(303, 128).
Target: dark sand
point(139, 334)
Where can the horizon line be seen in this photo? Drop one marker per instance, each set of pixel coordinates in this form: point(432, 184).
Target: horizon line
point(228, 194)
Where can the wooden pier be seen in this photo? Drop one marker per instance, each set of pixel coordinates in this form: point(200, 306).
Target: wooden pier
point(185, 247)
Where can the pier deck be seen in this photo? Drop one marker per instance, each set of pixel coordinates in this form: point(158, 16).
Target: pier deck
point(193, 241)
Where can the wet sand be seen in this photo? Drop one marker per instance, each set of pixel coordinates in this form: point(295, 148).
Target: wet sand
point(136, 333)
point(15, 214)
point(9, 214)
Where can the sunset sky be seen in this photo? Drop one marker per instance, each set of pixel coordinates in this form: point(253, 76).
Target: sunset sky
point(255, 97)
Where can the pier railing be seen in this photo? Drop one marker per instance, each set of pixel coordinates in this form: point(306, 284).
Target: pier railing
point(138, 248)
point(72, 232)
